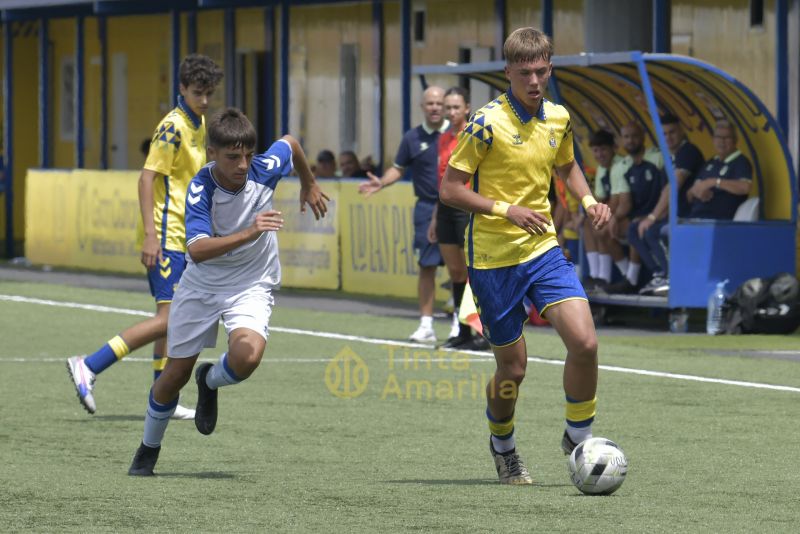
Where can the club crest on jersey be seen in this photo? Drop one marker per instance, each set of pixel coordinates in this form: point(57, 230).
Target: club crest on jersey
point(648, 175)
point(517, 139)
point(423, 146)
point(723, 170)
point(552, 138)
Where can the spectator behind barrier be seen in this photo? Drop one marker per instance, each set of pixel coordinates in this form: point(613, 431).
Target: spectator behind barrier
point(687, 160)
point(368, 165)
point(643, 180)
point(725, 181)
point(349, 165)
point(597, 243)
point(326, 165)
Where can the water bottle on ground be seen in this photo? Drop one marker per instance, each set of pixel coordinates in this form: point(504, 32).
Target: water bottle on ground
point(716, 302)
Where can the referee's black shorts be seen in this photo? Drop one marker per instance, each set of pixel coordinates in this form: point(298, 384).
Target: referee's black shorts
point(451, 223)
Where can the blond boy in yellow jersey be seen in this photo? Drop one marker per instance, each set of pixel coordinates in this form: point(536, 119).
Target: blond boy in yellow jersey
point(177, 152)
point(509, 149)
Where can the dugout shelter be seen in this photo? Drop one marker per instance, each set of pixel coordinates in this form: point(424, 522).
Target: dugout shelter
point(608, 90)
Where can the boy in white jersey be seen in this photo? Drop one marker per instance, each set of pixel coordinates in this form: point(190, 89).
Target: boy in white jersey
point(233, 268)
point(175, 154)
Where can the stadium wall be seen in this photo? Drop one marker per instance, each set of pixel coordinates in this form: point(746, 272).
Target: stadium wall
point(26, 120)
point(317, 34)
point(717, 31)
point(62, 139)
point(87, 219)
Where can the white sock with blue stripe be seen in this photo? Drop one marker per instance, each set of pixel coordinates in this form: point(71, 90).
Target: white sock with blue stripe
point(156, 420)
point(221, 374)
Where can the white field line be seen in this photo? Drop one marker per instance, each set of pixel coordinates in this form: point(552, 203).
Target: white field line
point(480, 356)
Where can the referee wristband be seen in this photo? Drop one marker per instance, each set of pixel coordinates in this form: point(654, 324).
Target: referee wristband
point(588, 201)
point(500, 208)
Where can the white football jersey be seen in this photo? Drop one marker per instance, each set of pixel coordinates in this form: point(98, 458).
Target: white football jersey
point(213, 211)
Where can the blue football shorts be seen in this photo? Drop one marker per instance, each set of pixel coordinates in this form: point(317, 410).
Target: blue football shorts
point(164, 277)
point(546, 280)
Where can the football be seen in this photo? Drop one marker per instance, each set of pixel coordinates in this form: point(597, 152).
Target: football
point(598, 466)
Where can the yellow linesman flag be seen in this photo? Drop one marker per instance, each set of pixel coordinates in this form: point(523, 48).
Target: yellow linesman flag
point(468, 313)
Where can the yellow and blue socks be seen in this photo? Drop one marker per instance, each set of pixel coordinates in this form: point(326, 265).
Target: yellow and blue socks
point(502, 432)
point(156, 420)
point(109, 354)
point(221, 374)
point(159, 362)
point(580, 415)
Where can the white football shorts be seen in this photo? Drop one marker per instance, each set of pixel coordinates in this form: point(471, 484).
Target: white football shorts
point(194, 316)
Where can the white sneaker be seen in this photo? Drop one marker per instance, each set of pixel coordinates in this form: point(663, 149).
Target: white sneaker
point(455, 328)
point(423, 334)
point(83, 379)
point(183, 413)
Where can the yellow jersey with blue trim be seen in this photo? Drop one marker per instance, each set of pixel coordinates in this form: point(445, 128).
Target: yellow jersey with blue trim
point(177, 153)
point(511, 154)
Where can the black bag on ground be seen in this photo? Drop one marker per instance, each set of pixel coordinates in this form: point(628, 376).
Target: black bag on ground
point(764, 306)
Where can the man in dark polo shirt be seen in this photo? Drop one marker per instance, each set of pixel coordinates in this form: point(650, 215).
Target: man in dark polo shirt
point(644, 181)
point(418, 153)
point(725, 181)
point(687, 160)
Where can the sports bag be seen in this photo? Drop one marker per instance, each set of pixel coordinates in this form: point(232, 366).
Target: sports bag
point(764, 306)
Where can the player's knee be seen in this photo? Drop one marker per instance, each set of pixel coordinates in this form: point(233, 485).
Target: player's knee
point(585, 347)
point(170, 383)
point(249, 362)
point(246, 350)
point(514, 373)
point(160, 323)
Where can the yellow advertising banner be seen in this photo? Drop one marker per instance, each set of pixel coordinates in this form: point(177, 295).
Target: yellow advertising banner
point(309, 248)
point(82, 219)
point(87, 220)
point(378, 242)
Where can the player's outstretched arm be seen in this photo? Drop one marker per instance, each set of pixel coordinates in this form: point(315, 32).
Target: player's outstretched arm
point(151, 248)
point(376, 183)
point(572, 175)
point(310, 192)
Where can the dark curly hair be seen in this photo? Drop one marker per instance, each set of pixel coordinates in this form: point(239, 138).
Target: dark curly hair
point(199, 70)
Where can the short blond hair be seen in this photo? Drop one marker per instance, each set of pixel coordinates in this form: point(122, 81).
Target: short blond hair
point(527, 44)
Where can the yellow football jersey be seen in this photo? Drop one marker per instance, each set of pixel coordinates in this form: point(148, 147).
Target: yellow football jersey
point(511, 154)
point(177, 152)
